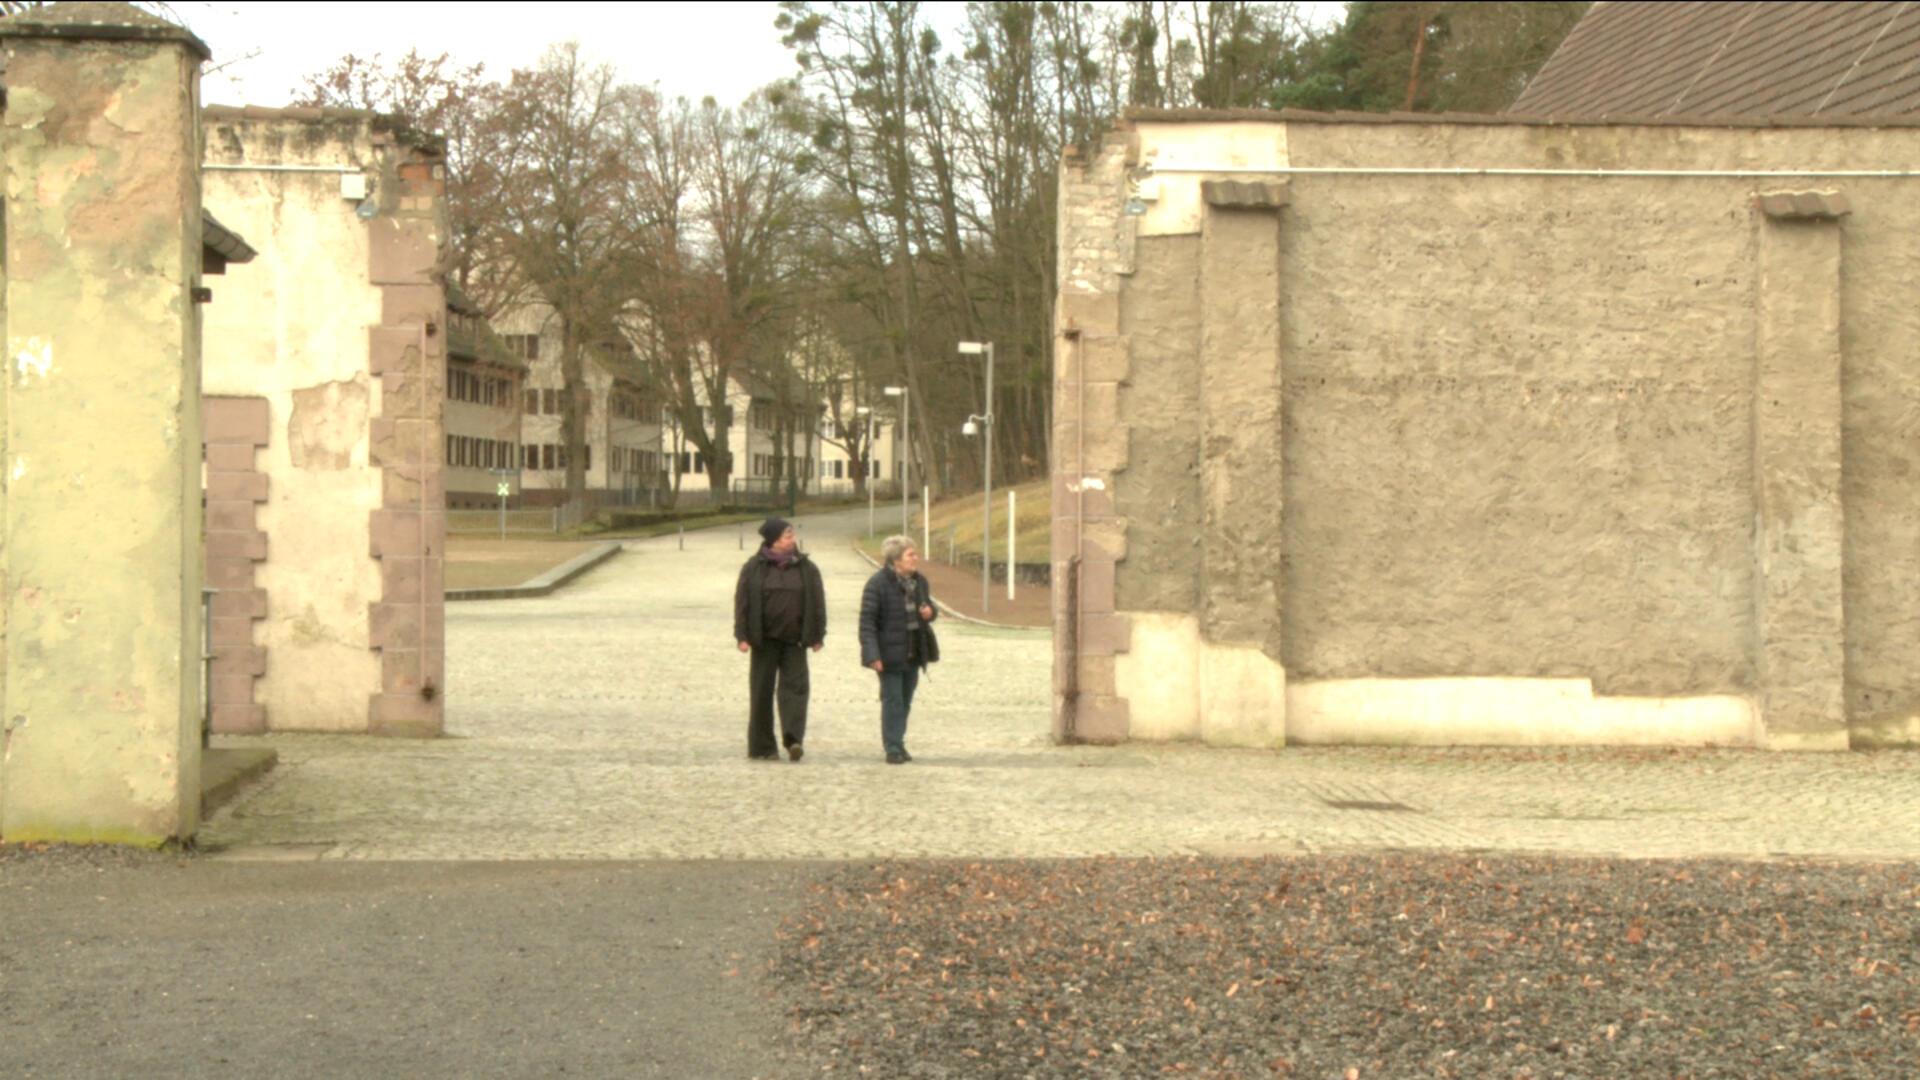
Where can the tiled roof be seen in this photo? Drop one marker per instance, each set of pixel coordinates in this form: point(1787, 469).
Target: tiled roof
point(1734, 60)
point(222, 241)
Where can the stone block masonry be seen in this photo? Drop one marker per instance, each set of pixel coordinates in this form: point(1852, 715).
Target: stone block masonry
point(408, 532)
point(237, 429)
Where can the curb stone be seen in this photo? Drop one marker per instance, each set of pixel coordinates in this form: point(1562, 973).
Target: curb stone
point(225, 770)
point(546, 583)
point(948, 611)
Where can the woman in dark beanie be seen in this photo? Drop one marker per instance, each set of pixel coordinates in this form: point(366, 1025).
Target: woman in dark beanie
point(896, 638)
point(779, 612)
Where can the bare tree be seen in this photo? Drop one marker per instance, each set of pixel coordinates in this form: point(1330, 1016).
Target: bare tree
point(564, 162)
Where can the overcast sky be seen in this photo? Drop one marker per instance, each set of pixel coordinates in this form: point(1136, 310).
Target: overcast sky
point(263, 51)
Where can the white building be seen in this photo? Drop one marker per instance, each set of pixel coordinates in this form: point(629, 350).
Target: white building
point(623, 436)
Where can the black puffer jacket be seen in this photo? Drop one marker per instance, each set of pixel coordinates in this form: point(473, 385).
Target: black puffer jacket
point(883, 623)
point(749, 603)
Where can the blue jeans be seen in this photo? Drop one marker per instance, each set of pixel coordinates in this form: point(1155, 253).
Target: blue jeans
point(896, 701)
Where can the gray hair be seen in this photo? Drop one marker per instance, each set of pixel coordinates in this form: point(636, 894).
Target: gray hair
point(893, 547)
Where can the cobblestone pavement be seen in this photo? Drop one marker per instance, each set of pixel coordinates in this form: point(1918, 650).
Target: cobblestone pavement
point(608, 721)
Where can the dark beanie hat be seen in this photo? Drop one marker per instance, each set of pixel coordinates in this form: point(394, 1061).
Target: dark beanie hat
point(771, 530)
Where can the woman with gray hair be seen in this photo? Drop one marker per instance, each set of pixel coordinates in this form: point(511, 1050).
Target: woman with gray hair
point(896, 638)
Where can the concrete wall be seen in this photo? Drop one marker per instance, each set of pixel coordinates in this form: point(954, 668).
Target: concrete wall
point(1489, 458)
point(101, 544)
point(330, 328)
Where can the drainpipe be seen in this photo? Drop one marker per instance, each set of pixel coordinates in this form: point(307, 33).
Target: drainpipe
point(1071, 716)
point(1380, 170)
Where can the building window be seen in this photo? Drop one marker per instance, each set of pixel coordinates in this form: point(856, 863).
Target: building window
point(546, 456)
point(549, 403)
point(526, 346)
point(587, 462)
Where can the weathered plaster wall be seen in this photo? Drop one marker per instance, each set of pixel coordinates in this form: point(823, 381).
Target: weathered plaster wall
point(1517, 430)
point(293, 332)
point(1160, 318)
point(1562, 459)
point(342, 330)
point(99, 737)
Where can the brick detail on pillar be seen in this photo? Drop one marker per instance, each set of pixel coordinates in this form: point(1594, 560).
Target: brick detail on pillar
point(1800, 626)
point(237, 429)
point(1091, 442)
point(407, 533)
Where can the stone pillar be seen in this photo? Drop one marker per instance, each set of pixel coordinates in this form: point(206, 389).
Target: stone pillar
point(102, 507)
point(1800, 629)
point(1243, 698)
point(408, 354)
point(1091, 443)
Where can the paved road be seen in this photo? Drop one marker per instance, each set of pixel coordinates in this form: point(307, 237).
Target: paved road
point(115, 964)
point(608, 721)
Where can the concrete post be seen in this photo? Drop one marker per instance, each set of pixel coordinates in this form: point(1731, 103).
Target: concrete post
point(102, 431)
point(1800, 624)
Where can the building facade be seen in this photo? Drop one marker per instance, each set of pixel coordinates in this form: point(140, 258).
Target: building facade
point(485, 383)
point(622, 417)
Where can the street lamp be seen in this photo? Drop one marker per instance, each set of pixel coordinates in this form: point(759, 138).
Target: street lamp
point(984, 425)
point(906, 449)
point(866, 463)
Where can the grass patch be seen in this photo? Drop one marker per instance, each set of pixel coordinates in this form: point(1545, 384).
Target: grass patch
point(475, 562)
point(957, 521)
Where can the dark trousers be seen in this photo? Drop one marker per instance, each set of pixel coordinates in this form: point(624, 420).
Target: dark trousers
point(896, 701)
point(777, 664)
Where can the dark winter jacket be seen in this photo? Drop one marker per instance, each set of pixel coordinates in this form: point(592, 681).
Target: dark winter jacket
point(884, 629)
point(749, 603)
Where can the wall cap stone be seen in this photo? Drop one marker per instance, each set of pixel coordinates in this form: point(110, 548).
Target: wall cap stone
point(96, 21)
point(1246, 194)
point(1827, 205)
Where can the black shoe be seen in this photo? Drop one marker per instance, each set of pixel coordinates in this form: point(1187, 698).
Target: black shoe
point(763, 757)
point(796, 752)
point(896, 757)
point(904, 756)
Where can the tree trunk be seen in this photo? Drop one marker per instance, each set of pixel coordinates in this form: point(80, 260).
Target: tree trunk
point(1421, 18)
point(573, 407)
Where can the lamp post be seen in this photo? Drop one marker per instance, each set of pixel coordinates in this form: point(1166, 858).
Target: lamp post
point(866, 463)
point(985, 427)
point(906, 450)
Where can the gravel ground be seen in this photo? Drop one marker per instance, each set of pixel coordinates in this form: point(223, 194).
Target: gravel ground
point(1377, 966)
